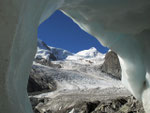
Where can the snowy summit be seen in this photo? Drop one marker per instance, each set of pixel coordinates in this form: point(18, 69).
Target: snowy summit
point(44, 52)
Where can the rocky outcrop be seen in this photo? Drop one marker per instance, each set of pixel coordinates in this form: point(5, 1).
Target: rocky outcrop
point(111, 65)
point(46, 62)
point(119, 105)
point(43, 62)
point(35, 102)
point(38, 82)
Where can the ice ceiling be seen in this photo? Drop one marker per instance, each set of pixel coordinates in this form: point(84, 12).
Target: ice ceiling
point(121, 25)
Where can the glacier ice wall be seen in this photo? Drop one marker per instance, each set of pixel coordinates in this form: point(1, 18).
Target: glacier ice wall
point(121, 25)
point(124, 27)
point(19, 20)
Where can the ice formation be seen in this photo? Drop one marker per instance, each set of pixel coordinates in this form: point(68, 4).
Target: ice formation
point(121, 25)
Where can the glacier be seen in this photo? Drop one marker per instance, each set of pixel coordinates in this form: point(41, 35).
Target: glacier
point(79, 78)
point(121, 25)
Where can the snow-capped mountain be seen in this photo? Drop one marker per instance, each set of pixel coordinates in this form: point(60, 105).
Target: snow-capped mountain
point(45, 52)
point(91, 53)
point(77, 77)
point(82, 66)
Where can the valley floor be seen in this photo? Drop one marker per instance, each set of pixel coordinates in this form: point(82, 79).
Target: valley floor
point(76, 86)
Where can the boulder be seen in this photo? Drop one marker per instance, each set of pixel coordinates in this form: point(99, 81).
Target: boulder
point(111, 65)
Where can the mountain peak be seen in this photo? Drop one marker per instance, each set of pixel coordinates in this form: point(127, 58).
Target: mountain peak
point(42, 45)
point(44, 52)
point(90, 53)
point(93, 48)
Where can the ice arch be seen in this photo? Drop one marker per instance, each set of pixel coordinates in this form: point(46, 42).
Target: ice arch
point(122, 25)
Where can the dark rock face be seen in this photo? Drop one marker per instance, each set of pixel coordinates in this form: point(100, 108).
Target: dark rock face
point(118, 105)
point(111, 65)
point(52, 57)
point(35, 102)
point(41, 43)
point(39, 83)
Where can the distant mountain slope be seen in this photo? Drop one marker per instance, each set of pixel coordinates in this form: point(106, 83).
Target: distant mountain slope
point(70, 78)
point(91, 53)
point(46, 52)
point(54, 54)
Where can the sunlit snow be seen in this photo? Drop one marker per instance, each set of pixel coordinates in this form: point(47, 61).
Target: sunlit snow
point(80, 72)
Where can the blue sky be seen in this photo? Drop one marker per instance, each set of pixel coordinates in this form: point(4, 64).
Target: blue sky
point(60, 31)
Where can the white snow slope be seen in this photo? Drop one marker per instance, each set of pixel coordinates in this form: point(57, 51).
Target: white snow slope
point(78, 71)
point(44, 51)
point(80, 75)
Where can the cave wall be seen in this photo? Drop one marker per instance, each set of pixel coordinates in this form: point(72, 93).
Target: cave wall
point(123, 26)
point(19, 21)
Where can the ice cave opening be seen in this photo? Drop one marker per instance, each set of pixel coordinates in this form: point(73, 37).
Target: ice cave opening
point(58, 38)
point(60, 72)
point(124, 45)
point(122, 26)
